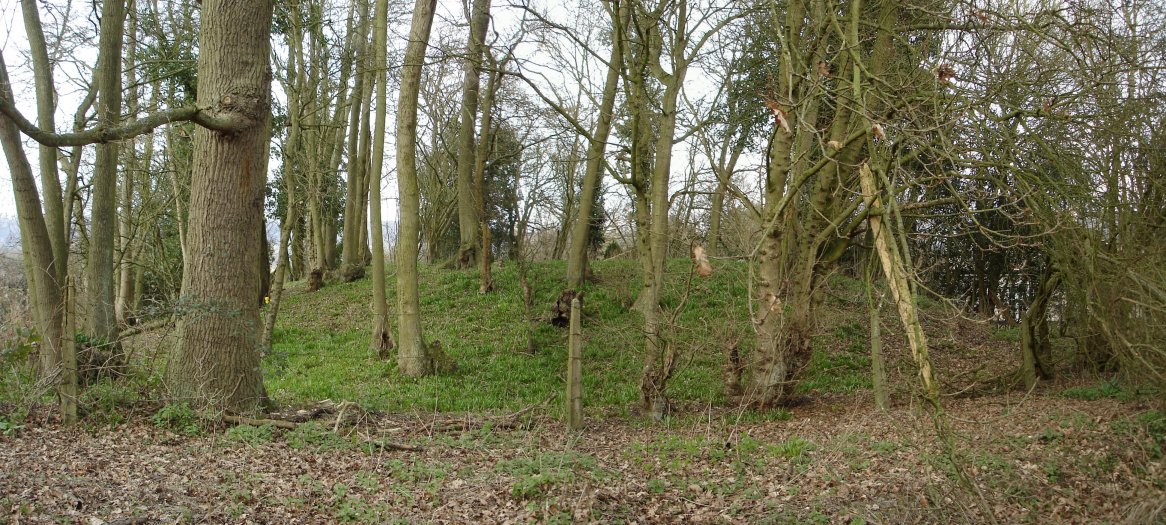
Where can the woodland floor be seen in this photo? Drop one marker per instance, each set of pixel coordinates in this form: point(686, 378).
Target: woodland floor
point(485, 443)
point(1041, 458)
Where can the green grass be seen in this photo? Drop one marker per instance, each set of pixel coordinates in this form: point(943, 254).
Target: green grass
point(320, 346)
point(538, 474)
point(837, 371)
point(1103, 390)
point(250, 435)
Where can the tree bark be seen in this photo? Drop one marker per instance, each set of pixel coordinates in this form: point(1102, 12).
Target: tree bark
point(216, 362)
point(471, 82)
point(897, 277)
point(1034, 335)
point(46, 291)
point(358, 142)
point(412, 355)
point(485, 149)
point(593, 172)
point(878, 371)
point(575, 368)
point(55, 216)
point(382, 339)
point(125, 226)
point(102, 324)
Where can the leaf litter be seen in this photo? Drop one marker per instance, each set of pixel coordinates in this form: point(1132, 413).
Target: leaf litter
point(1038, 457)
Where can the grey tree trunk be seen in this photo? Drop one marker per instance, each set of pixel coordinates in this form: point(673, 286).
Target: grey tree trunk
point(412, 355)
point(125, 235)
point(896, 272)
point(466, 202)
point(593, 173)
point(878, 369)
point(292, 162)
point(485, 148)
point(102, 324)
point(575, 368)
point(216, 362)
point(358, 142)
point(382, 339)
point(1034, 331)
point(55, 216)
point(652, 202)
point(45, 291)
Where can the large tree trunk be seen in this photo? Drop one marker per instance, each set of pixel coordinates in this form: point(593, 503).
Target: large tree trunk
point(102, 324)
point(785, 311)
point(216, 362)
point(412, 356)
point(467, 208)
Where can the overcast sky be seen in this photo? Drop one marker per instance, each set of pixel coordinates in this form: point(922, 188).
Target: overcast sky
point(71, 77)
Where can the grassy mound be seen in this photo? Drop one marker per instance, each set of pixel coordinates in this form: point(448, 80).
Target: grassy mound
point(320, 349)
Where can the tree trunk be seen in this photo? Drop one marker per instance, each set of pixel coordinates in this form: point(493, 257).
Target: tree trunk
point(45, 291)
point(216, 362)
point(485, 149)
point(897, 277)
point(776, 336)
point(878, 371)
point(180, 202)
point(1034, 335)
point(593, 174)
point(575, 368)
point(125, 234)
point(471, 82)
point(713, 243)
point(55, 216)
point(263, 263)
point(412, 355)
point(382, 339)
point(358, 124)
point(277, 282)
point(102, 324)
point(659, 351)
point(287, 256)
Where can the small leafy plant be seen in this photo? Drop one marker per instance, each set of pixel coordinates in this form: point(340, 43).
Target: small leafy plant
point(178, 418)
point(250, 435)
